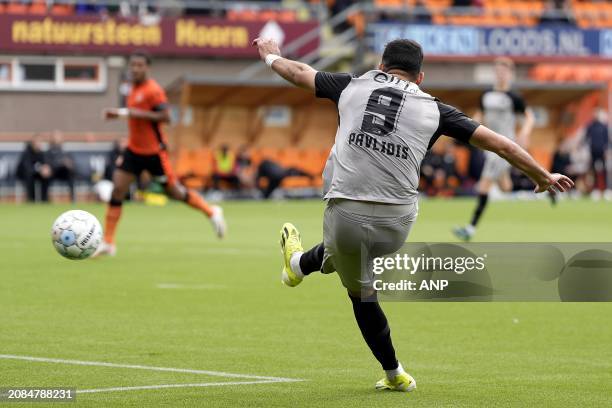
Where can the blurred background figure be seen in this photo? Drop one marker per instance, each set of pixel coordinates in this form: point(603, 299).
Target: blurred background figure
point(597, 138)
point(90, 7)
point(34, 171)
point(103, 182)
point(439, 175)
point(61, 163)
point(501, 109)
point(562, 160)
point(225, 168)
point(111, 158)
point(580, 164)
point(246, 170)
point(556, 12)
point(274, 174)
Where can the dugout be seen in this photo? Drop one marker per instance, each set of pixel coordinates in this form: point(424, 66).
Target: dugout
point(275, 121)
point(291, 126)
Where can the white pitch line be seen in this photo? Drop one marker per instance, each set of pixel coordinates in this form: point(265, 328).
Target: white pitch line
point(161, 386)
point(149, 368)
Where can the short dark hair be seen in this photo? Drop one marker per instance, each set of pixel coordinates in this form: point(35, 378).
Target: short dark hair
point(405, 55)
point(142, 54)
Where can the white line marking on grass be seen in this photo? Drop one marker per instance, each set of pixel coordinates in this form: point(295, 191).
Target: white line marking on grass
point(149, 368)
point(161, 386)
point(262, 252)
point(188, 286)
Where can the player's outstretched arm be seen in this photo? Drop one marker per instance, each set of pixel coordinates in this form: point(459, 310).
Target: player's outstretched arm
point(154, 116)
point(298, 73)
point(487, 139)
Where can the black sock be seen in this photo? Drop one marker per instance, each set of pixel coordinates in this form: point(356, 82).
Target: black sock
point(375, 330)
point(312, 260)
point(482, 203)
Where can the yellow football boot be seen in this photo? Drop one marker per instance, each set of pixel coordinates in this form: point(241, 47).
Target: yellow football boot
point(402, 382)
point(291, 243)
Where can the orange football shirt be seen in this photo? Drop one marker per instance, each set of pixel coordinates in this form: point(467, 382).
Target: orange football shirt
point(146, 137)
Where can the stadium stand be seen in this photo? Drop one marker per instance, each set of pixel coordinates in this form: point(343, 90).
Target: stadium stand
point(555, 72)
point(505, 13)
point(501, 13)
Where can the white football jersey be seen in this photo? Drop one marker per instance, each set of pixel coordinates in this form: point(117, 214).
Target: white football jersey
point(386, 125)
point(500, 111)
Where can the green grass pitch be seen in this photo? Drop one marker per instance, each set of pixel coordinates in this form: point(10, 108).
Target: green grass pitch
point(176, 297)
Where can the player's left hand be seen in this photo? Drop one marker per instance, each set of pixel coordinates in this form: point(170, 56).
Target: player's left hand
point(555, 183)
point(266, 46)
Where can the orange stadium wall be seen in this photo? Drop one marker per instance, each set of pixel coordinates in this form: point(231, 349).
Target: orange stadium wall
point(235, 125)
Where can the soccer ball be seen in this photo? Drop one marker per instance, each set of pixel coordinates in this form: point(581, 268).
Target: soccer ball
point(76, 234)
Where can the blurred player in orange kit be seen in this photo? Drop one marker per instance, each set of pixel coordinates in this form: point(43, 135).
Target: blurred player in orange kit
point(146, 111)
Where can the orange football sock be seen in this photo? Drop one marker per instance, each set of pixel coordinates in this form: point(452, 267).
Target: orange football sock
point(195, 201)
point(113, 213)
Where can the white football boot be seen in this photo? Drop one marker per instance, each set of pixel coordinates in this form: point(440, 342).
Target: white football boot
point(105, 249)
point(218, 221)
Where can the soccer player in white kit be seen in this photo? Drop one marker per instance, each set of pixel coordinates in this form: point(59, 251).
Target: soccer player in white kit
point(386, 125)
point(501, 108)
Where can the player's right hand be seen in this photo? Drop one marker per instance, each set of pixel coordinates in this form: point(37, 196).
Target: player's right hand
point(110, 113)
point(555, 183)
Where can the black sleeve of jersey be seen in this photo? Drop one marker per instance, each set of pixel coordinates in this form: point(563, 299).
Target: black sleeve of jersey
point(453, 123)
point(330, 86)
point(518, 102)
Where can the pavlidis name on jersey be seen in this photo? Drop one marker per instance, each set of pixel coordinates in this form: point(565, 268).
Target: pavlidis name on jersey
point(370, 142)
